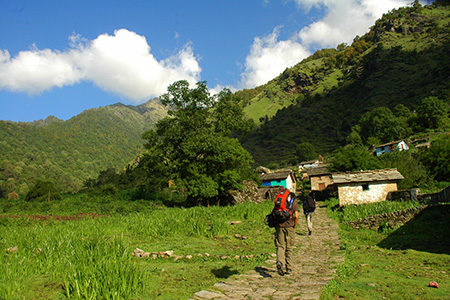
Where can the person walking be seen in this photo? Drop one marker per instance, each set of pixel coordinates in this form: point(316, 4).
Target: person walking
point(309, 206)
point(285, 239)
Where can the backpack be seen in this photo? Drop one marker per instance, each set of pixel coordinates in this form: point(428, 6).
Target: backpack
point(310, 204)
point(282, 206)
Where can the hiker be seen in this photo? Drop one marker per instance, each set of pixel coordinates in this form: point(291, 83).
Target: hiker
point(285, 239)
point(309, 205)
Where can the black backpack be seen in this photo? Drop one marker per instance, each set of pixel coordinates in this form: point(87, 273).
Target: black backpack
point(310, 203)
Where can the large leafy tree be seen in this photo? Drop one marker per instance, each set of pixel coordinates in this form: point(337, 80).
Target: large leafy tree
point(383, 126)
point(353, 158)
point(437, 158)
point(193, 147)
point(432, 113)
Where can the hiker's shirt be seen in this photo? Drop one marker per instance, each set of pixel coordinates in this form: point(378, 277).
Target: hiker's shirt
point(291, 221)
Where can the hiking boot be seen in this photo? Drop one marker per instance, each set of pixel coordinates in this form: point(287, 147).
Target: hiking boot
point(280, 268)
point(288, 271)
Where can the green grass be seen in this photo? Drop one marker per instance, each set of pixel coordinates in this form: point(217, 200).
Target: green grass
point(355, 212)
point(92, 258)
point(397, 263)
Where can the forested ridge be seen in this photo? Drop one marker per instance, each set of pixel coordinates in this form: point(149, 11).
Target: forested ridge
point(69, 152)
point(400, 67)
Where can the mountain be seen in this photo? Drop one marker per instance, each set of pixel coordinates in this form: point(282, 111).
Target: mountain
point(69, 152)
point(404, 58)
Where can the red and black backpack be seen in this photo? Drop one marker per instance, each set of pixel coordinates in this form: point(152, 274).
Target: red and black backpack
point(282, 206)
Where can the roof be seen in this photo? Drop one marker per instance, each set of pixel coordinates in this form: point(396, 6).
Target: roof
point(318, 172)
point(276, 175)
point(310, 162)
point(391, 143)
point(367, 176)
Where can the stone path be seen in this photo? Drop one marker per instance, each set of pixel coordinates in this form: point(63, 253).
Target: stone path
point(316, 259)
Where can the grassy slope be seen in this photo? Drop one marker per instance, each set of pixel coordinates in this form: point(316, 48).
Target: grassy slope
point(397, 68)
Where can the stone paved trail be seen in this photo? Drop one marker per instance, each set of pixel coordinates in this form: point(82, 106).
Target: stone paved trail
point(316, 258)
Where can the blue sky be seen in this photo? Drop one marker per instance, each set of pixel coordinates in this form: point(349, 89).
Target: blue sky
point(62, 57)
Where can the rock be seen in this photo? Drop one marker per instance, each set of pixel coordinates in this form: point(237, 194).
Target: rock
point(207, 295)
point(138, 252)
point(12, 249)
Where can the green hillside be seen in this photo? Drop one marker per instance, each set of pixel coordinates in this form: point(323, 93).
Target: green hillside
point(404, 58)
point(69, 152)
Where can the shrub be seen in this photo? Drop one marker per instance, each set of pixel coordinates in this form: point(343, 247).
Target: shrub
point(43, 190)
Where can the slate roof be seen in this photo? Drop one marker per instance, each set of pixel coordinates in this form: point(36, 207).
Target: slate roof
point(275, 175)
point(320, 171)
point(367, 176)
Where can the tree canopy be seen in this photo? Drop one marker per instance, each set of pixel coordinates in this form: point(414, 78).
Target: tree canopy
point(193, 147)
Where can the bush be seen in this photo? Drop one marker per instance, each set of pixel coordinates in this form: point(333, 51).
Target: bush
point(42, 191)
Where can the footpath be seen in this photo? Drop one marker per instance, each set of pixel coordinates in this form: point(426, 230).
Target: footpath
point(317, 257)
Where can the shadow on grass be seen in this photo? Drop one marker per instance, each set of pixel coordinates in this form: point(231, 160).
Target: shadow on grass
point(428, 231)
point(224, 272)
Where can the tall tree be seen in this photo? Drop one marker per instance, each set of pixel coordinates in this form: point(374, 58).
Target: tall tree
point(353, 158)
point(383, 125)
point(193, 146)
point(437, 158)
point(432, 113)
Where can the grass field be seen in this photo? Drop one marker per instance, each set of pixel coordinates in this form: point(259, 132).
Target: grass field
point(397, 263)
point(91, 258)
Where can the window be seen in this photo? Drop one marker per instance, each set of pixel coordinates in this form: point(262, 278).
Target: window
point(365, 187)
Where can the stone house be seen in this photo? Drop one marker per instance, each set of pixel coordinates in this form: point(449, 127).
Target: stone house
point(285, 178)
point(320, 178)
point(365, 186)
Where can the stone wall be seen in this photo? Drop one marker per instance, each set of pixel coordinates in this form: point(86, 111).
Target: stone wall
point(393, 219)
point(250, 192)
point(414, 194)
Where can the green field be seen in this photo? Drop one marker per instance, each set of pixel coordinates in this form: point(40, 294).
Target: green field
point(91, 257)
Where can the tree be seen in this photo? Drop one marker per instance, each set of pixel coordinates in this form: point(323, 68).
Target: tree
point(406, 162)
point(437, 159)
point(382, 124)
point(306, 151)
point(353, 158)
point(193, 146)
point(354, 138)
point(432, 113)
point(43, 190)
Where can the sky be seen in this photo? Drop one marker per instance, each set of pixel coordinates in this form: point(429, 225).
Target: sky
point(61, 57)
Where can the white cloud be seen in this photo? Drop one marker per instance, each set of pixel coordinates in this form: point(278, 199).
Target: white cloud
point(121, 63)
point(344, 19)
point(269, 57)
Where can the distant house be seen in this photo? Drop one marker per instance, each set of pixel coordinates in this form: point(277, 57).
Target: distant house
point(308, 164)
point(389, 147)
point(365, 186)
point(320, 178)
point(285, 178)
